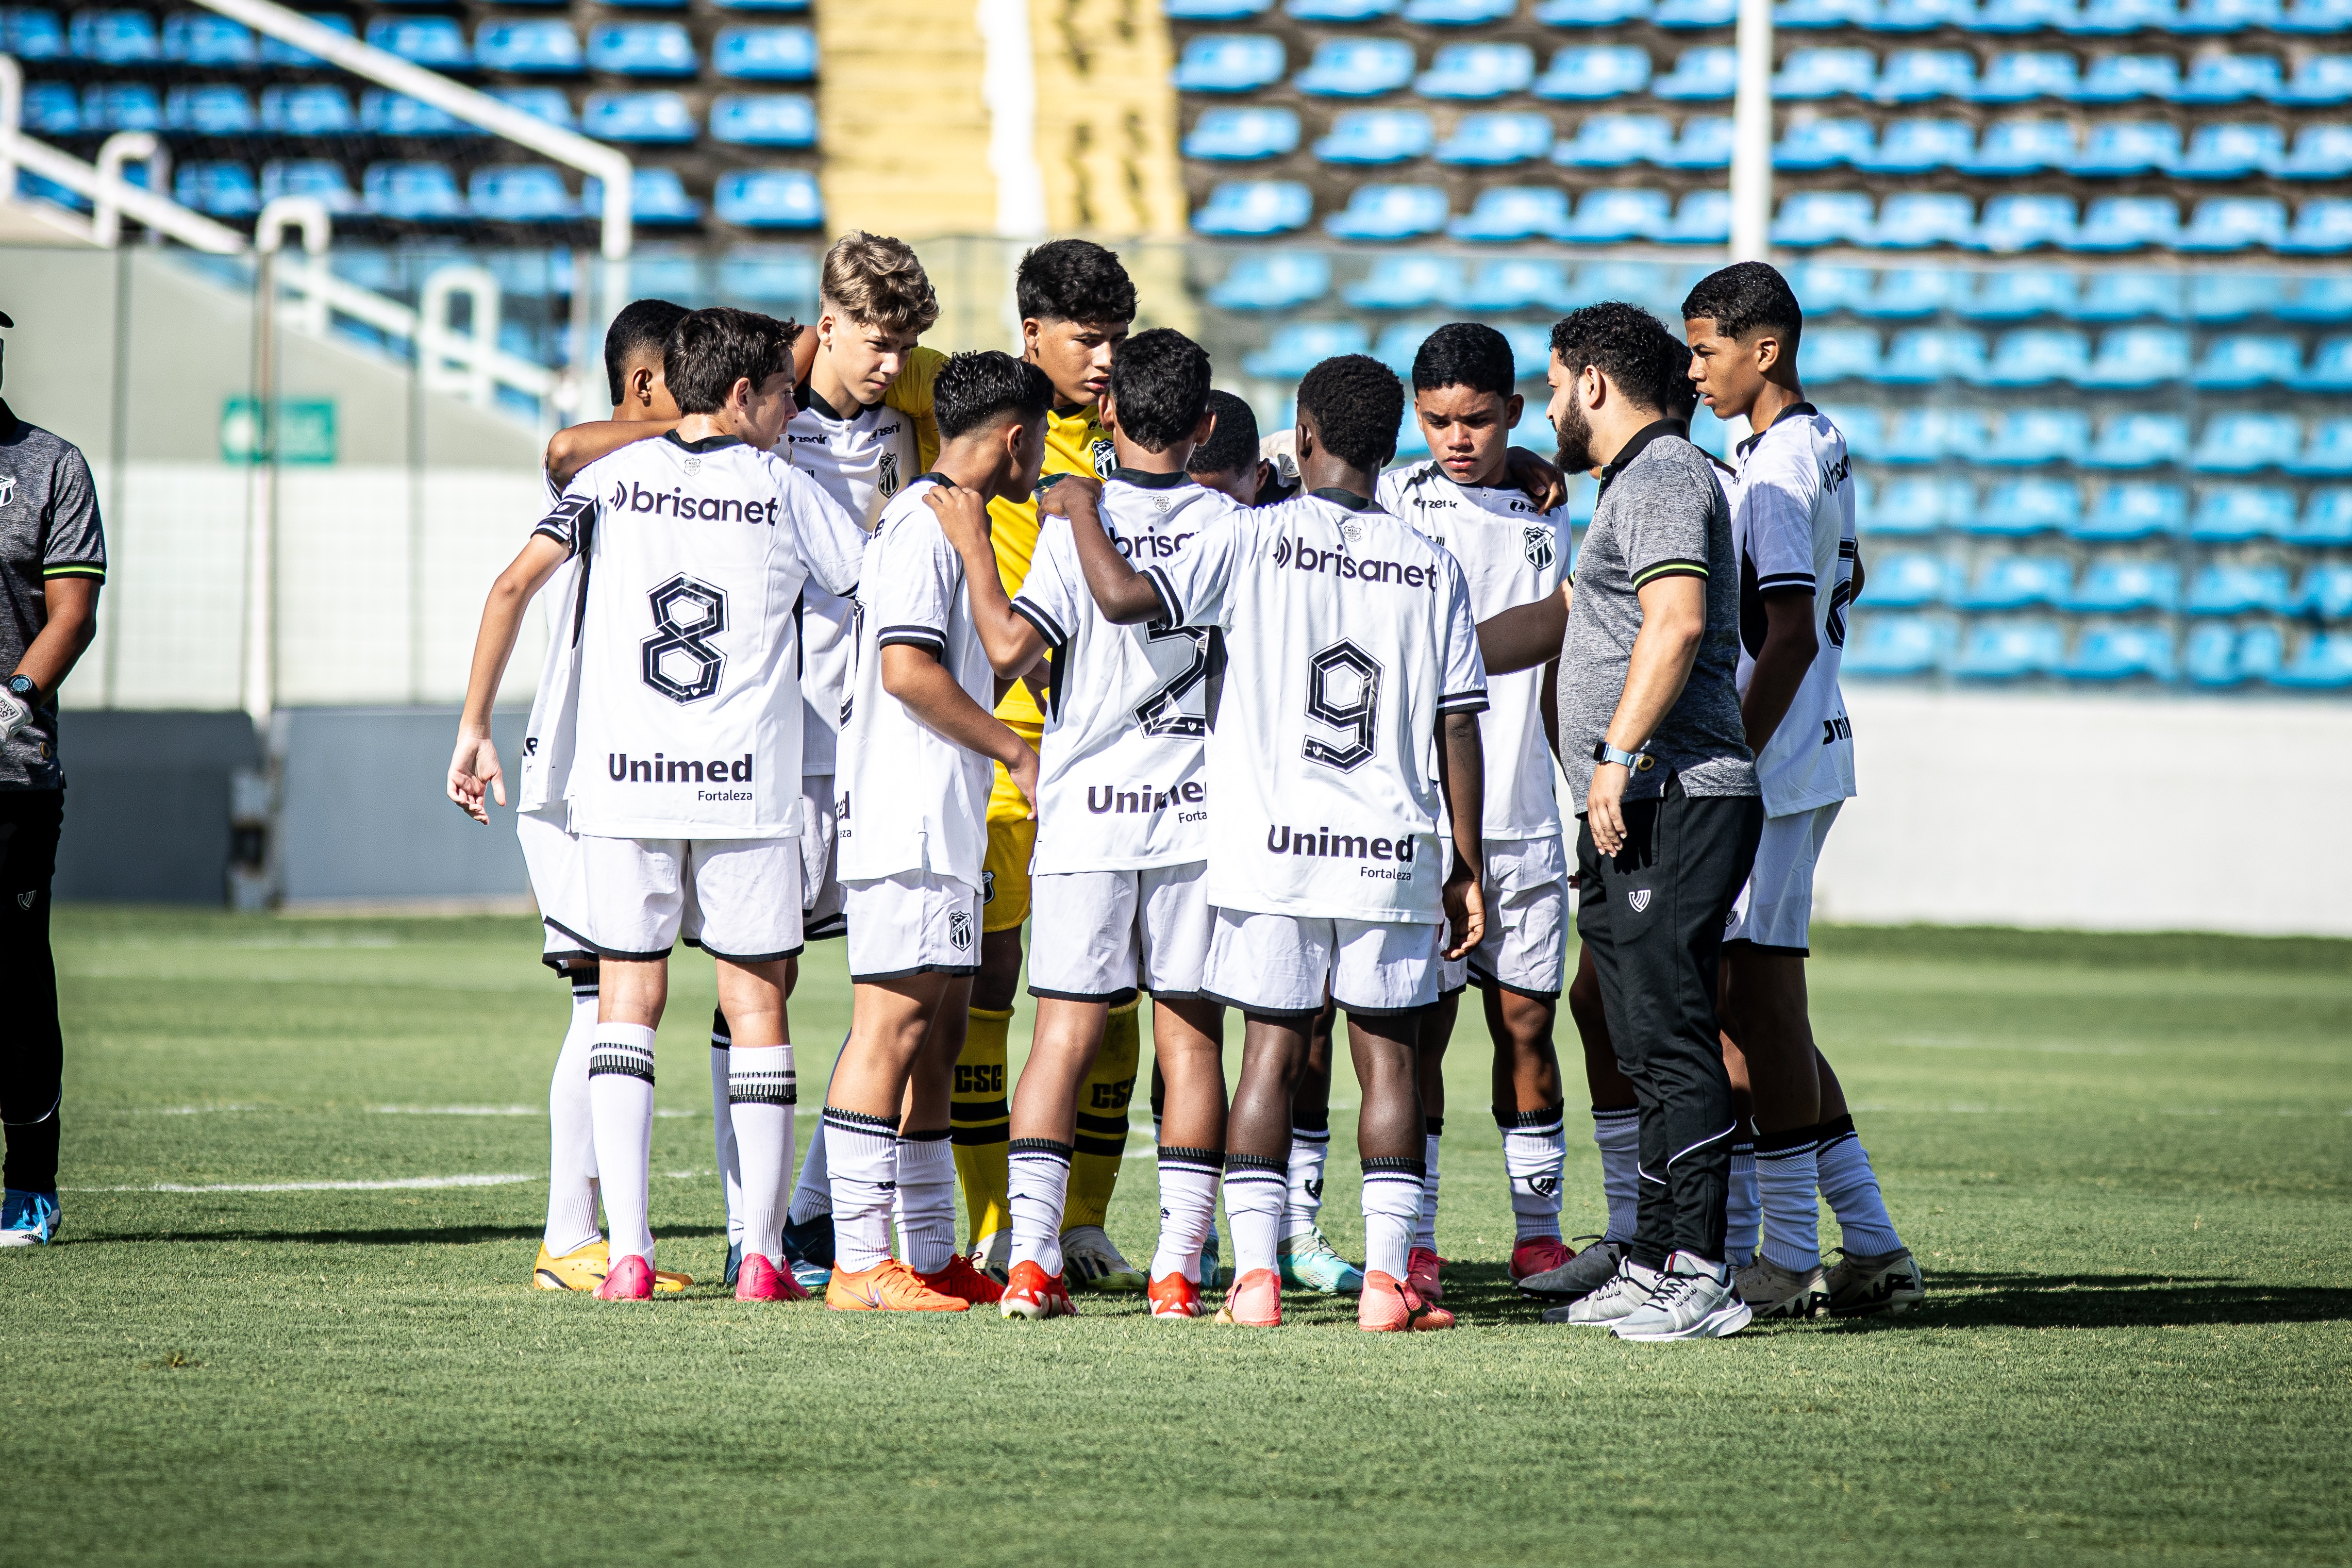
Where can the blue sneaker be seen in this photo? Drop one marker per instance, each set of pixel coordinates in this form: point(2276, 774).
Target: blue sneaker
point(734, 1263)
point(29, 1219)
point(1311, 1263)
point(808, 1252)
point(1213, 1277)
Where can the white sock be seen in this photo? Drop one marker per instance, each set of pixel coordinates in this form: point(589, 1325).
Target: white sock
point(722, 1131)
point(1303, 1203)
point(1425, 1233)
point(1188, 1207)
point(1392, 1200)
point(1851, 1189)
point(620, 1102)
point(1743, 1205)
point(812, 1196)
point(570, 1133)
point(1256, 1190)
point(926, 1183)
point(1535, 1146)
point(863, 1154)
point(761, 1092)
point(1787, 1181)
point(1619, 1133)
point(1039, 1169)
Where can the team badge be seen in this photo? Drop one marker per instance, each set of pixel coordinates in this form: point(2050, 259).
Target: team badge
point(7, 489)
point(1544, 1186)
point(960, 932)
point(888, 482)
point(1639, 897)
point(1106, 458)
point(988, 887)
point(24, 899)
point(1537, 545)
point(1353, 532)
point(693, 467)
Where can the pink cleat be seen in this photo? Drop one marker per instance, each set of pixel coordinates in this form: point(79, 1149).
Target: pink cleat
point(631, 1279)
point(1538, 1255)
point(762, 1280)
point(1421, 1268)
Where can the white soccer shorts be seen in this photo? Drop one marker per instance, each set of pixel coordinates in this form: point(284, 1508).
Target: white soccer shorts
point(1287, 964)
point(1100, 934)
point(1526, 945)
point(736, 899)
point(550, 854)
point(822, 907)
point(1774, 912)
point(916, 922)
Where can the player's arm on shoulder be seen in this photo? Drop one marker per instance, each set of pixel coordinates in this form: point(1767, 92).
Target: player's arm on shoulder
point(1525, 636)
point(1123, 594)
point(575, 447)
point(1012, 643)
point(473, 768)
point(1541, 482)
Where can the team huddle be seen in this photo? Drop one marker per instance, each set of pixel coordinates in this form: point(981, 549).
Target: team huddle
point(849, 638)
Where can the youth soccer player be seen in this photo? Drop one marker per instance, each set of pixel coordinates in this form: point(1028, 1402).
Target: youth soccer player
point(913, 841)
point(1351, 657)
point(1511, 553)
point(685, 779)
point(1792, 526)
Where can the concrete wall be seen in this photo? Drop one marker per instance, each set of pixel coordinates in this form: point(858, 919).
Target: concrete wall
point(364, 818)
point(147, 802)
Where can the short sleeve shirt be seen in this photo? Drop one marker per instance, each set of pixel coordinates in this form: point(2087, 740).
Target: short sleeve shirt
point(49, 528)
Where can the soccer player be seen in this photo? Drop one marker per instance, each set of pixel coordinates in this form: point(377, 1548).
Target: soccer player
point(1351, 658)
point(913, 839)
point(1228, 461)
point(1793, 527)
point(1511, 553)
point(685, 783)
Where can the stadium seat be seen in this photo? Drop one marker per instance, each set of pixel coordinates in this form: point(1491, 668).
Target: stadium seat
point(657, 198)
point(2230, 78)
point(2331, 367)
point(2324, 298)
point(1809, 75)
point(1910, 293)
point(1915, 16)
point(1930, 354)
point(2212, 657)
point(2320, 81)
point(1517, 284)
point(2122, 513)
point(114, 38)
point(2246, 443)
point(2126, 78)
point(1841, 353)
point(2023, 508)
point(2318, 16)
point(1705, 75)
point(2115, 224)
point(2010, 16)
point(768, 275)
point(1352, 68)
point(2233, 514)
point(1594, 74)
point(1406, 283)
point(275, 52)
point(1701, 218)
point(2199, 17)
point(641, 117)
point(1396, 346)
point(2129, 297)
point(1824, 144)
point(1799, 15)
point(2009, 650)
point(1389, 212)
point(35, 187)
point(396, 114)
point(320, 177)
point(2230, 151)
point(2238, 360)
point(1241, 135)
point(1590, 12)
point(54, 109)
point(2322, 227)
point(1477, 70)
point(1932, 434)
point(1229, 62)
point(1693, 15)
point(2329, 453)
point(1241, 209)
point(2234, 295)
point(1918, 147)
point(413, 192)
point(528, 48)
point(2325, 591)
point(1823, 289)
point(1611, 216)
point(433, 41)
point(2021, 147)
point(2223, 223)
point(1530, 350)
point(222, 190)
point(2325, 524)
point(2024, 76)
point(2119, 147)
point(1864, 430)
point(1910, 507)
point(2135, 357)
point(552, 104)
point(200, 39)
point(2115, 18)
point(1614, 141)
point(2324, 663)
point(1505, 213)
point(768, 198)
point(1459, 12)
point(2318, 152)
point(1298, 347)
point(1890, 645)
point(1341, 13)
point(302, 111)
point(2017, 582)
point(1920, 76)
point(2030, 438)
point(2036, 357)
point(134, 106)
point(2015, 294)
point(2138, 441)
point(1809, 219)
point(519, 192)
point(1274, 280)
point(1904, 582)
point(1913, 220)
point(1705, 144)
point(2015, 224)
point(664, 49)
point(764, 120)
point(1368, 136)
point(2227, 588)
point(2120, 653)
point(30, 33)
point(771, 54)
point(1493, 141)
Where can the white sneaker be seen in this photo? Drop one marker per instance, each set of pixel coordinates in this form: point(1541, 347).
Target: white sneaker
point(1863, 1283)
point(992, 1255)
point(1580, 1275)
point(1693, 1300)
point(1618, 1296)
point(1772, 1291)
point(1091, 1262)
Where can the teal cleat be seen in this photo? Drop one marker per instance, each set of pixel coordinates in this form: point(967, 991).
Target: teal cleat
point(1309, 1262)
point(29, 1219)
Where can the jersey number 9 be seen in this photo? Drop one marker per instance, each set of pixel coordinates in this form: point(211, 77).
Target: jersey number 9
point(1343, 691)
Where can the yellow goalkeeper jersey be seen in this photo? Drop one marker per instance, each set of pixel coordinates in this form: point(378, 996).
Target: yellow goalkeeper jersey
point(910, 394)
point(1076, 443)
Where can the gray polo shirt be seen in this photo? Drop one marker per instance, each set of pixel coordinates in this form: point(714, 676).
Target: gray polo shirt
point(49, 527)
point(1661, 514)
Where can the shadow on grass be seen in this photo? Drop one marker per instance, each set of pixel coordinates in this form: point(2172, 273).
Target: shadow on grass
point(431, 1236)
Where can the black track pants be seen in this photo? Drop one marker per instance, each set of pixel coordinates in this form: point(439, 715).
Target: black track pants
point(1653, 915)
point(32, 1051)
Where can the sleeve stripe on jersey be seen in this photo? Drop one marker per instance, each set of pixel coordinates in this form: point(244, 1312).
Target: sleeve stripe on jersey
point(1028, 610)
point(1785, 580)
point(1463, 703)
point(1169, 602)
point(75, 569)
point(1649, 574)
point(928, 638)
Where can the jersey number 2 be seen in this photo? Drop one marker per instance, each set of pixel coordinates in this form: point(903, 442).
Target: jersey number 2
point(1343, 691)
point(678, 662)
point(1162, 712)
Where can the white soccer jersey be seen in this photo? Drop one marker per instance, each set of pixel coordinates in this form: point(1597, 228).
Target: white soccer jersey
point(1792, 526)
point(1346, 634)
point(1512, 553)
point(544, 769)
point(862, 460)
point(689, 707)
point(911, 799)
point(1121, 783)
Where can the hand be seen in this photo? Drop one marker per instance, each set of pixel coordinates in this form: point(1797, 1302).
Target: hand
point(1060, 492)
point(1023, 768)
point(963, 518)
point(1544, 484)
point(1603, 806)
point(473, 770)
point(1465, 908)
point(16, 715)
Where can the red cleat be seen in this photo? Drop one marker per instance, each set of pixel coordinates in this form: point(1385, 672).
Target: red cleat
point(1538, 1255)
point(1254, 1301)
point(1174, 1296)
point(1389, 1305)
point(1032, 1293)
point(1421, 1268)
point(964, 1282)
point(631, 1279)
point(762, 1280)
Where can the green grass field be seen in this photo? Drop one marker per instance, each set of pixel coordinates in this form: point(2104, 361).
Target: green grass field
point(2124, 1163)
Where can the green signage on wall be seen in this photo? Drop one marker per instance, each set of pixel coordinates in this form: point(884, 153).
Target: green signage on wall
point(306, 430)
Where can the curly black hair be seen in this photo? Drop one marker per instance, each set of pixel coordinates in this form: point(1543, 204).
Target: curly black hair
point(642, 327)
point(1073, 281)
point(1159, 387)
point(1679, 400)
point(710, 350)
point(973, 391)
point(1232, 446)
point(1357, 404)
point(1465, 353)
point(1622, 341)
point(1744, 297)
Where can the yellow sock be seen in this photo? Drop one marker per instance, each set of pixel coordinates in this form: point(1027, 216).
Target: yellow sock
point(1102, 1123)
point(982, 1121)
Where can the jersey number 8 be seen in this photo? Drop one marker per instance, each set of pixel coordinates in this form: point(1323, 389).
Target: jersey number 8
point(677, 661)
point(1343, 691)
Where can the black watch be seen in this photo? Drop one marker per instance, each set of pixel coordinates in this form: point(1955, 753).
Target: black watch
point(21, 685)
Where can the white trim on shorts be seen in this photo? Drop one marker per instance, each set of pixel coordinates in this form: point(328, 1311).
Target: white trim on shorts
point(1774, 911)
point(916, 922)
point(1097, 936)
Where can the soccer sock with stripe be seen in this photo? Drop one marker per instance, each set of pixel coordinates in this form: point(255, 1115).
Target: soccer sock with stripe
point(813, 1194)
point(1787, 1181)
point(1255, 1191)
point(1535, 1146)
point(1392, 1202)
point(1102, 1142)
point(1303, 1203)
point(1040, 1173)
point(981, 1119)
point(621, 1104)
point(1850, 1188)
point(762, 1089)
point(722, 1128)
point(862, 1155)
point(570, 1133)
point(1619, 1134)
point(1743, 1205)
point(1188, 1206)
point(926, 1183)
point(1424, 1235)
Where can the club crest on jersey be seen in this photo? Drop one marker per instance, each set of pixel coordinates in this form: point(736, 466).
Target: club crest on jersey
point(960, 932)
point(1106, 456)
point(988, 887)
point(693, 467)
point(1353, 532)
point(1538, 544)
point(887, 480)
point(7, 489)
point(1639, 897)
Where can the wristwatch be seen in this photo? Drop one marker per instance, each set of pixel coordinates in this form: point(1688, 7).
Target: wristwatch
point(1633, 762)
point(22, 687)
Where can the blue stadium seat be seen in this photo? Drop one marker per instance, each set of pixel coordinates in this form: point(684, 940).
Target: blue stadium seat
point(657, 198)
point(2320, 81)
point(2318, 16)
point(1609, 216)
point(1240, 135)
point(2036, 357)
point(1517, 284)
point(2015, 294)
point(1841, 353)
point(2325, 524)
point(277, 53)
point(2127, 147)
point(2222, 223)
point(1215, 10)
point(1811, 74)
point(413, 192)
point(1250, 207)
point(1911, 220)
point(2322, 227)
point(2129, 297)
point(1350, 67)
point(133, 106)
point(2234, 295)
point(306, 111)
point(1823, 289)
point(2231, 79)
point(2020, 509)
point(2030, 438)
point(2324, 663)
point(519, 192)
point(768, 54)
point(1614, 141)
point(1298, 347)
point(200, 39)
point(1693, 15)
point(552, 104)
point(1505, 213)
point(2009, 650)
point(1932, 434)
point(2329, 453)
point(1809, 219)
point(1700, 76)
point(1864, 430)
point(1590, 12)
point(2021, 147)
point(541, 47)
point(1406, 283)
point(642, 117)
point(1273, 280)
point(2324, 298)
point(1905, 581)
point(1907, 507)
point(2115, 18)
point(1396, 347)
point(396, 114)
point(2326, 592)
point(33, 186)
point(2017, 582)
point(1701, 218)
point(1459, 12)
point(435, 41)
point(1493, 141)
point(114, 38)
point(2319, 153)
point(2014, 224)
point(1389, 212)
point(1891, 645)
point(2246, 443)
point(2120, 653)
point(1230, 62)
point(1477, 70)
point(2211, 16)
point(2135, 357)
point(2230, 151)
point(54, 109)
point(2138, 441)
point(1920, 147)
point(30, 33)
point(1704, 143)
point(2331, 367)
point(2240, 361)
point(2125, 79)
point(764, 120)
point(2115, 224)
point(1926, 355)
point(2226, 588)
point(664, 49)
point(2213, 655)
point(1915, 15)
point(319, 177)
point(224, 190)
point(768, 198)
point(1530, 349)
point(1919, 76)
point(1341, 12)
point(2122, 513)
point(1376, 136)
point(2024, 76)
point(1590, 75)
point(1824, 144)
point(2233, 514)
point(2001, 16)
point(1799, 16)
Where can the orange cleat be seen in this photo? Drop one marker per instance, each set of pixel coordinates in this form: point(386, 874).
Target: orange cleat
point(888, 1287)
point(1031, 1293)
point(1389, 1305)
point(1420, 1268)
point(762, 1280)
point(1538, 1255)
point(964, 1282)
point(1174, 1296)
point(631, 1279)
point(1254, 1301)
